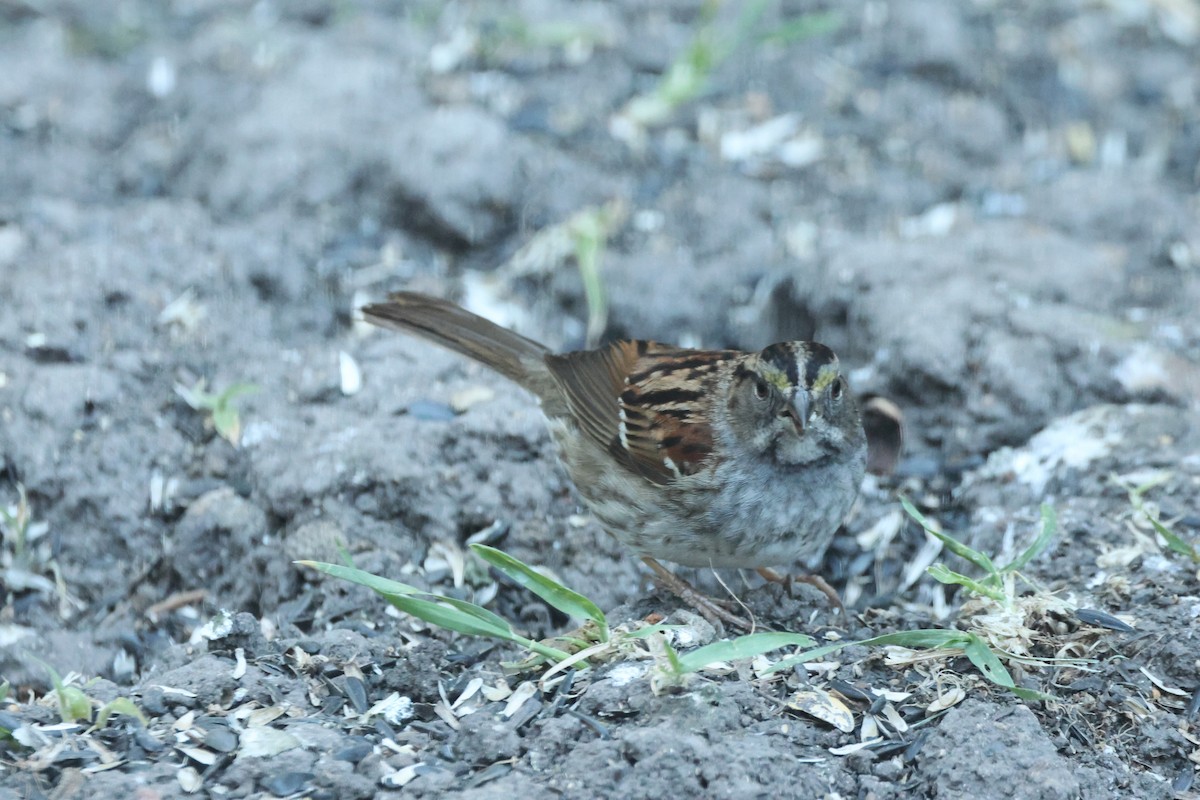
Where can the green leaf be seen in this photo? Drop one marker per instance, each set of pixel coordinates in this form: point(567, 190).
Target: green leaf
point(953, 545)
point(942, 574)
point(1043, 540)
point(987, 662)
point(1032, 695)
point(925, 637)
point(742, 647)
point(1175, 542)
point(235, 390)
point(565, 600)
point(225, 420)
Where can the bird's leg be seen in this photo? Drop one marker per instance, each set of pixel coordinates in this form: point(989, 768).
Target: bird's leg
point(689, 594)
point(815, 581)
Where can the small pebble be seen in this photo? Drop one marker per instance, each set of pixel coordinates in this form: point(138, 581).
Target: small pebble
point(287, 783)
point(354, 753)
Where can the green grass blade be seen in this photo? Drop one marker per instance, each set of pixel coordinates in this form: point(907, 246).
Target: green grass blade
point(481, 621)
point(742, 647)
point(450, 613)
point(362, 578)
point(469, 619)
point(1032, 695)
point(441, 613)
point(565, 600)
point(972, 646)
point(942, 574)
point(1043, 540)
point(1175, 542)
point(953, 545)
point(803, 27)
point(930, 638)
point(923, 638)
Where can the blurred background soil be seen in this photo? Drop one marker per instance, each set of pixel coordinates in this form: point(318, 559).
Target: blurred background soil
point(989, 209)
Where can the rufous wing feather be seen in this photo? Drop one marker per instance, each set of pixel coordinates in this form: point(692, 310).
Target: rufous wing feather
point(625, 402)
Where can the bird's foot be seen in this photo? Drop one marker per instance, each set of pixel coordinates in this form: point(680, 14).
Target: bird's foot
point(709, 608)
point(815, 581)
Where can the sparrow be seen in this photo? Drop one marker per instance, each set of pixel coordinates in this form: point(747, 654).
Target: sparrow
point(704, 458)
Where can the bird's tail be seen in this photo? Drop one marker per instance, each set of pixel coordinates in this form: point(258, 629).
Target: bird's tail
point(455, 328)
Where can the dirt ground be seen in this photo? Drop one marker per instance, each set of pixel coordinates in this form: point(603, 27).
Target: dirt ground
point(988, 209)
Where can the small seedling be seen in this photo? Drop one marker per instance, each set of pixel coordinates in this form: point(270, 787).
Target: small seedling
point(1150, 513)
point(951, 642)
point(220, 406)
point(998, 583)
point(714, 41)
point(25, 554)
point(594, 641)
point(74, 703)
point(590, 231)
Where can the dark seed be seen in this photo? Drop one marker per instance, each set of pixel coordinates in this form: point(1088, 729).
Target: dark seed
point(850, 691)
point(147, 741)
point(354, 753)
point(528, 711)
point(561, 692)
point(591, 722)
point(1079, 734)
point(910, 753)
point(1090, 616)
point(431, 411)
point(489, 773)
point(357, 694)
point(887, 749)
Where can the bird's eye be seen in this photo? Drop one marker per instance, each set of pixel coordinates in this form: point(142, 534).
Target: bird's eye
point(835, 391)
point(760, 389)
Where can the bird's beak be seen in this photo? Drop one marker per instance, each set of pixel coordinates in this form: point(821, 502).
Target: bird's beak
point(801, 410)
